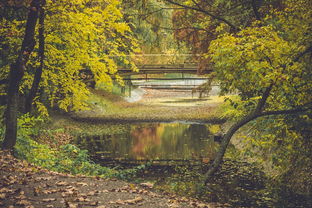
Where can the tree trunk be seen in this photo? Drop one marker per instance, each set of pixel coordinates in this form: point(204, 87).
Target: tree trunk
point(256, 4)
point(38, 73)
point(227, 137)
point(16, 75)
point(224, 143)
point(12, 105)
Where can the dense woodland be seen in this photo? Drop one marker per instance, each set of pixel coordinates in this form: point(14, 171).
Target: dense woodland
point(260, 50)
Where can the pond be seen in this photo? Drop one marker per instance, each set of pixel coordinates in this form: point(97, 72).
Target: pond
point(180, 154)
point(154, 141)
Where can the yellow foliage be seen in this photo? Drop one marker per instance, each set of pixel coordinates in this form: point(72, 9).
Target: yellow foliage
point(81, 36)
point(264, 54)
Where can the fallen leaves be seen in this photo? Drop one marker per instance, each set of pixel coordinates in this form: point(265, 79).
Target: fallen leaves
point(8, 180)
point(147, 185)
point(23, 203)
point(82, 199)
point(21, 196)
point(61, 183)
point(135, 200)
point(93, 193)
point(6, 190)
point(81, 184)
point(71, 205)
point(102, 206)
point(49, 200)
point(2, 196)
point(50, 191)
point(129, 201)
point(199, 204)
point(43, 178)
point(36, 191)
point(53, 190)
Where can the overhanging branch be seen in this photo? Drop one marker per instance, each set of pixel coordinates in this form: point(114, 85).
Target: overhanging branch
point(263, 100)
point(284, 112)
point(205, 12)
point(308, 50)
point(145, 15)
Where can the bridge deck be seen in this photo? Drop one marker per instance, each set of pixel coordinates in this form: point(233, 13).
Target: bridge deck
point(151, 69)
point(166, 78)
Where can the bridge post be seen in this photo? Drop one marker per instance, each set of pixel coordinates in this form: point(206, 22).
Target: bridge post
point(128, 82)
point(130, 88)
point(123, 90)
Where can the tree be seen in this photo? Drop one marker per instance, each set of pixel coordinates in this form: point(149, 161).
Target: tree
point(16, 73)
point(266, 62)
point(198, 23)
point(151, 22)
point(83, 38)
point(75, 38)
point(37, 77)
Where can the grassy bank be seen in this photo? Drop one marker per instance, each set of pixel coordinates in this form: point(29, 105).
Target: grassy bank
point(47, 145)
point(108, 107)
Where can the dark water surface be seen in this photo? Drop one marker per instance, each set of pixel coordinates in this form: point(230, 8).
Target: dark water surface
point(154, 141)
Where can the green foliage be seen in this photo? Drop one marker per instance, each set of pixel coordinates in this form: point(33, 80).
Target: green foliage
point(264, 54)
point(186, 181)
point(148, 18)
point(66, 159)
point(237, 183)
point(131, 173)
point(230, 109)
point(28, 125)
point(152, 25)
point(83, 39)
point(268, 53)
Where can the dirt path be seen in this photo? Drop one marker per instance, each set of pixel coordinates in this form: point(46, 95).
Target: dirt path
point(172, 98)
point(24, 185)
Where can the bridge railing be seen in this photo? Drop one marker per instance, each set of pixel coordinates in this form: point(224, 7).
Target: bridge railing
point(165, 58)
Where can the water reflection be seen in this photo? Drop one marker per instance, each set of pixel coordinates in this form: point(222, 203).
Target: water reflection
point(154, 141)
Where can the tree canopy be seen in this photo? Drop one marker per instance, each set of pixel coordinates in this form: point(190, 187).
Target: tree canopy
point(80, 36)
point(260, 50)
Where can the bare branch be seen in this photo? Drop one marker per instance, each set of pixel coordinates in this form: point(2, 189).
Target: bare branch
point(205, 12)
point(145, 15)
point(185, 28)
point(283, 112)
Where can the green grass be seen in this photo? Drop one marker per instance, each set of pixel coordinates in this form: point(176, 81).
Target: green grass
point(108, 107)
point(65, 158)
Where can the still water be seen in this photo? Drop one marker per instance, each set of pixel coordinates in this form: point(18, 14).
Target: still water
point(154, 141)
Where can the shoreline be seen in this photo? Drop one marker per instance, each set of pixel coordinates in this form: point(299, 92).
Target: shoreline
point(104, 119)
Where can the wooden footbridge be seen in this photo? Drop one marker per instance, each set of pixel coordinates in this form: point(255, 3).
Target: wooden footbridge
point(171, 63)
point(161, 69)
point(176, 63)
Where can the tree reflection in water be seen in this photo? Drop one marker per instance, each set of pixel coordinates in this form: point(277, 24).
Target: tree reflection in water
point(155, 141)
